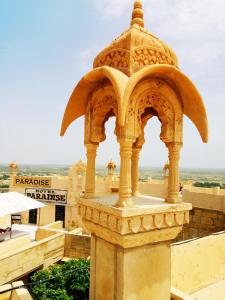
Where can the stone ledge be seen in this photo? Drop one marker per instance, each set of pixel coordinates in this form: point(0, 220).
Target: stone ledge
point(138, 219)
point(134, 240)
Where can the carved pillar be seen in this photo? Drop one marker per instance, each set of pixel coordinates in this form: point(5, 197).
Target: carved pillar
point(174, 180)
point(134, 170)
point(125, 192)
point(90, 173)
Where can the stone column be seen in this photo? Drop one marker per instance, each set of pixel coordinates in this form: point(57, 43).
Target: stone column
point(125, 192)
point(174, 179)
point(134, 170)
point(130, 247)
point(90, 174)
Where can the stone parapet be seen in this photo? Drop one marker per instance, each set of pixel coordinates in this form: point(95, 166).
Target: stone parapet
point(203, 222)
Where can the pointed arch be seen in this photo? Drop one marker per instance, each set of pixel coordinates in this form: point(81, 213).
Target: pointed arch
point(76, 106)
point(192, 103)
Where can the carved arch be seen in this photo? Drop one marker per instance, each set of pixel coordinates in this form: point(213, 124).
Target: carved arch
point(159, 96)
point(192, 103)
point(101, 106)
point(78, 101)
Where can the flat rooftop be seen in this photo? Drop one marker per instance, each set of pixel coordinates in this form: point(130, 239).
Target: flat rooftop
point(20, 230)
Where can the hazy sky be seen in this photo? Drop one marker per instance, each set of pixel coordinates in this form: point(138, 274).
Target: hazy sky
point(46, 46)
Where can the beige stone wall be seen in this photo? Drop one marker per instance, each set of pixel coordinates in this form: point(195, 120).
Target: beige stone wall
point(5, 221)
point(42, 233)
point(198, 263)
point(214, 191)
point(72, 219)
point(204, 200)
point(157, 189)
point(203, 222)
point(101, 187)
point(26, 258)
point(11, 245)
point(47, 215)
point(207, 215)
point(77, 246)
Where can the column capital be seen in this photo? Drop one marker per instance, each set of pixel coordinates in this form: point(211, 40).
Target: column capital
point(91, 150)
point(174, 146)
point(136, 150)
point(91, 146)
point(125, 141)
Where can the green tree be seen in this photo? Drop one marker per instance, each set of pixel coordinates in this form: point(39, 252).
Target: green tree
point(77, 278)
point(68, 281)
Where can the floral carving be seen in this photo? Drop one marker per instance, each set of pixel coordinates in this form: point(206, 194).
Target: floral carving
point(101, 107)
point(118, 59)
point(164, 110)
point(145, 56)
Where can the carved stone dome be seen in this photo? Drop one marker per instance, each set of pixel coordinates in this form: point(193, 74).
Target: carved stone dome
point(111, 165)
point(135, 48)
point(13, 165)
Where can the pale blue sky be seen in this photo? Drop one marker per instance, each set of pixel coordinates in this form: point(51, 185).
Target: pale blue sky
point(46, 46)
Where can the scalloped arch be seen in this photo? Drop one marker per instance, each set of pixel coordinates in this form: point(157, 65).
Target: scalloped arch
point(193, 106)
point(76, 106)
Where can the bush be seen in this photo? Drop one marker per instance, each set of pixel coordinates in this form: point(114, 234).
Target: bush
point(69, 281)
point(77, 283)
point(209, 184)
point(4, 186)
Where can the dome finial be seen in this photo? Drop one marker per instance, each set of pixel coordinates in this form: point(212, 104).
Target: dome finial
point(137, 15)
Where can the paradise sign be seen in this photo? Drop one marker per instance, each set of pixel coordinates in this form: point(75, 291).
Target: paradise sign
point(35, 181)
point(48, 195)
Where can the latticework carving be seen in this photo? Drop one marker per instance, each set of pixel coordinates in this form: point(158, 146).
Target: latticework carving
point(158, 96)
point(102, 106)
point(117, 58)
point(144, 56)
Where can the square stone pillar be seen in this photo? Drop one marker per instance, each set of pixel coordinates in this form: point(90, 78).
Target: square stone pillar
point(130, 247)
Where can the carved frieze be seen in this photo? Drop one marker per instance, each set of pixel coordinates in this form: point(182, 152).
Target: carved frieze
point(126, 225)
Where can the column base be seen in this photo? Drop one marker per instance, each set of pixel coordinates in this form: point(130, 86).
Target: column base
point(136, 194)
point(174, 198)
point(124, 202)
point(89, 195)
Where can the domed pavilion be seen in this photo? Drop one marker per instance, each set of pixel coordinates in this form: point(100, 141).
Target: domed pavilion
point(134, 79)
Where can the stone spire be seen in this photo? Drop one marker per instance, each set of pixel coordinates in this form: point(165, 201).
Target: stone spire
point(137, 15)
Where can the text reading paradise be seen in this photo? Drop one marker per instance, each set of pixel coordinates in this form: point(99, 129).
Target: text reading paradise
point(32, 181)
point(47, 195)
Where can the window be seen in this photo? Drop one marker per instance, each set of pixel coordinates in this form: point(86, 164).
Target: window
point(33, 216)
point(60, 213)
